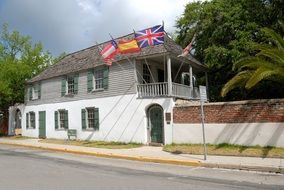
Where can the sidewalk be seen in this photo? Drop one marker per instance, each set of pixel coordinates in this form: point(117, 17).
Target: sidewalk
point(155, 154)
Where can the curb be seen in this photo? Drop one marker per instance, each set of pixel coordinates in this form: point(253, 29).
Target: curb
point(267, 169)
point(110, 155)
point(158, 160)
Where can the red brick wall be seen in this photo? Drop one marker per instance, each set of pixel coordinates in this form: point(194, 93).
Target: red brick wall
point(232, 112)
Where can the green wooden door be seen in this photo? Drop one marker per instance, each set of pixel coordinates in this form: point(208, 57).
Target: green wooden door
point(156, 124)
point(41, 128)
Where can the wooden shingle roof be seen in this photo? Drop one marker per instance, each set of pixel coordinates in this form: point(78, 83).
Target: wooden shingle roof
point(90, 58)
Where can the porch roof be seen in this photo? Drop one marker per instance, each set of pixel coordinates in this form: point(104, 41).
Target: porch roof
point(90, 57)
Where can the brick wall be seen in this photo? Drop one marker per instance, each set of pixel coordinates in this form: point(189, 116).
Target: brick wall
point(254, 111)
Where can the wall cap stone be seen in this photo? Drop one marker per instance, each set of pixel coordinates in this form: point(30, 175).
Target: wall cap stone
point(196, 103)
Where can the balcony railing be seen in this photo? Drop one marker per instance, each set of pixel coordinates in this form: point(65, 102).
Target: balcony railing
point(152, 89)
point(161, 90)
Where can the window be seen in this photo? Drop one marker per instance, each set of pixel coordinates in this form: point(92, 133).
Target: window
point(90, 118)
point(70, 85)
point(34, 92)
point(61, 119)
point(146, 74)
point(99, 77)
point(30, 120)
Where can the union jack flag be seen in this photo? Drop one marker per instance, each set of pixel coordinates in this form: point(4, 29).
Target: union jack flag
point(150, 36)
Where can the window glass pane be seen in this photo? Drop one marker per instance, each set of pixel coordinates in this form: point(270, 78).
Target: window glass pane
point(70, 85)
point(146, 74)
point(91, 121)
point(61, 119)
point(32, 119)
point(99, 79)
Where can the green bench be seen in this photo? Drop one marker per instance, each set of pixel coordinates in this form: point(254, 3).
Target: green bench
point(72, 133)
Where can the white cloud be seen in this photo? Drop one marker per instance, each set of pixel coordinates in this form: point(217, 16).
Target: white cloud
point(65, 25)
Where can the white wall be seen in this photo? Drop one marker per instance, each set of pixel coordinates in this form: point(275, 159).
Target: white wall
point(263, 134)
point(12, 116)
point(122, 118)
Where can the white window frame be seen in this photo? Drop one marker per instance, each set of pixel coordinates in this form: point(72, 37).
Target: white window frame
point(60, 123)
point(98, 80)
point(35, 92)
point(87, 119)
point(67, 85)
point(30, 121)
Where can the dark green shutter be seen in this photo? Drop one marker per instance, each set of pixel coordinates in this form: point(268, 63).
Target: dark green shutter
point(90, 80)
point(39, 90)
point(83, 115)
point(66, 119)
point(27, 120)
point(76, 80)
point(63, 86)
point(30, 93)
point(105, 79)
point(56, 119)
point(97, 119)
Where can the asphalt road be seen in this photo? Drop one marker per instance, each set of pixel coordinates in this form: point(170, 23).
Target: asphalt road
point(29, 169)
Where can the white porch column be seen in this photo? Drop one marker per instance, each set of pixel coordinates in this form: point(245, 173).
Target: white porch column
point(169, 71)
point(190, 77)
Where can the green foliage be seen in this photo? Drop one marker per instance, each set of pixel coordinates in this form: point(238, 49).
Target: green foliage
point(20, 60)
point(267, 64)
point(225, 30)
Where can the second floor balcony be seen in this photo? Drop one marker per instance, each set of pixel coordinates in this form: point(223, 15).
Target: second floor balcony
point(166, 76)
point(162, 90)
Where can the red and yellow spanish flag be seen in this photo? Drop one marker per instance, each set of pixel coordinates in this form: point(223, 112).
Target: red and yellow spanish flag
point(128, 46)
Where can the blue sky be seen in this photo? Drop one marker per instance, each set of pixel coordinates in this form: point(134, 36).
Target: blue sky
point(71, 25)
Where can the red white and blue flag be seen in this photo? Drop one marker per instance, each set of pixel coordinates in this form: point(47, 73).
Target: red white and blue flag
point(109, 51)
point(150, 36)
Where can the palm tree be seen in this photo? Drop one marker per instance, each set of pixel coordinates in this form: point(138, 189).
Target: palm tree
point(268, 64)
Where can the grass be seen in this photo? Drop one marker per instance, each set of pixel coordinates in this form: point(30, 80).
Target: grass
point(95, 144)
point(226, 150)
point(18, 137)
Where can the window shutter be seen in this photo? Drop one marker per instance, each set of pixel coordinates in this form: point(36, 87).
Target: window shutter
point(66, 119)
point(83, 114)
point(105, 79)
point(56, 119)
point(63, 86)
point(30, 93)
point(90, 80)
point(76, 80)
point(39, 90)
point(97, 119)
point(27, 120)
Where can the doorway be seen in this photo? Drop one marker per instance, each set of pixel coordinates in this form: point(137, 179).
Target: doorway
point(41, 127)
point(156, 124)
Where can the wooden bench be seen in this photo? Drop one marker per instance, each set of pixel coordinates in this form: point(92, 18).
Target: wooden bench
point(72, 133)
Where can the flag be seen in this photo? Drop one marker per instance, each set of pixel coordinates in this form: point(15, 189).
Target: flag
point(150, 36)
point(128, 46)
point(187, 49)
point(109, 51)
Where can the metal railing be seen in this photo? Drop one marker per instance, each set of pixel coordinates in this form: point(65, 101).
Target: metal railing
point(161, 89)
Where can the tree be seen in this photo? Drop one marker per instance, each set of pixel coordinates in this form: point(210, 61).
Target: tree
point(20, 60)
point(267, 64)
point(224, 31)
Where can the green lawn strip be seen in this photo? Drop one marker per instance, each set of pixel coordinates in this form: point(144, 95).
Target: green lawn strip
point(95, 144)
point(226, 150)
point(18, 137)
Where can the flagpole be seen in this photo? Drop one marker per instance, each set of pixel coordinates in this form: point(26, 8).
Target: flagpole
point(128, 61)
